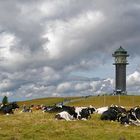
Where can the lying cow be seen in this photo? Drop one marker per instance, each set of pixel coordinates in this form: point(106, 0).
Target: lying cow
point(112, 113)
point(64, 115)
point(84, 114)
point(9, 108)
point(51, 109)
point(101, 110)
point(70, 113)
point(26, 109)
point(130, 117)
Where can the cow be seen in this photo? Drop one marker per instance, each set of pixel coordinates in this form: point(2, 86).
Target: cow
point(68, 113)
point(9, 108)
point(64, 115)
point(132, 116)
point(81, 113)
point(71, 113)
point(70, 110)
point(52, 109)
point(112, 113)
point(84, 114)
point(38, 107)
point(26, 109)
point(91, 109)
point(101, 110)
point(136, 112)
point(123, 118)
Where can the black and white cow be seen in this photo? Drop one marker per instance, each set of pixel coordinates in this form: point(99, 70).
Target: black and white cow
point(9, 108)
point(91, 109)
point(112, 113)
point(101, 110)
point(52, 109)
point(130, 117)
point(85, 114)
point(64, 115)
point(123, 118)
point(70, 113)
point(70, 110)
point(135, 112)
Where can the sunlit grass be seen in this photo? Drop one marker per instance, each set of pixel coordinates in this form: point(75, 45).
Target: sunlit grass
point(43, 126)
point(127, 101)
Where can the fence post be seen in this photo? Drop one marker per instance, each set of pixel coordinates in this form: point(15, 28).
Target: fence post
point(119, 99)
point(104, 100)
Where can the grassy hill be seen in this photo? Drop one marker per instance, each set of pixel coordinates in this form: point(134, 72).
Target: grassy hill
point(97, 101)
point(47, 101)
point(43, 126)
point(127, 101)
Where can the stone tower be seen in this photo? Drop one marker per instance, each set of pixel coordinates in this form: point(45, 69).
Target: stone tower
point(120, 56)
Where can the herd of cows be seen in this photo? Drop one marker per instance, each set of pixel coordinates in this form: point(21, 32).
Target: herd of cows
point(111, 113)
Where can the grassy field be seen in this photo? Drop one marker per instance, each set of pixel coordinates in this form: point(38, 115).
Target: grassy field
point(126, 101)
point(46, 101)
point(43, 126)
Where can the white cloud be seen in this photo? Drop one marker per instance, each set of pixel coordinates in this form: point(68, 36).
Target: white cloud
point(63, 36)
point(50, 74)
point(82, 86)
point(44, 42)
point(64, 87)
point(133, 79)
point(29, 95)
point(6, 39)
point(8, 94)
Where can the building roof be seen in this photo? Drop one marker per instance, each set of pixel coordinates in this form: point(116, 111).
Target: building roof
point(121, 50)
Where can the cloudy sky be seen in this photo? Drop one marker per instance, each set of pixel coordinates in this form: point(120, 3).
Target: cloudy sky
point(64, 47)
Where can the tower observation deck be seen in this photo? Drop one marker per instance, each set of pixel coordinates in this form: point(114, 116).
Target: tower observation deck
point(120, 56)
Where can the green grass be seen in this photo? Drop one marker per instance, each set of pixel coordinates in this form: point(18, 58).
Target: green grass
point(43, 126)
point(127, 101)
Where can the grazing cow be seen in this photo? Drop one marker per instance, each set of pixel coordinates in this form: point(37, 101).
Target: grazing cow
point(112, 113)
point(8, 109)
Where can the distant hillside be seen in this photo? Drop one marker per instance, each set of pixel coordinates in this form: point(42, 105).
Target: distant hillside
point(96, 101)
point(47, 101)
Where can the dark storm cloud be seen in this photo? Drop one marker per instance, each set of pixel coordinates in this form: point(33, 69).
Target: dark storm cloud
point(42, 42)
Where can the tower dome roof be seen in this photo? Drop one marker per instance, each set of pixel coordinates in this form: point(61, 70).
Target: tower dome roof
point(120, 49)
point(120, 52)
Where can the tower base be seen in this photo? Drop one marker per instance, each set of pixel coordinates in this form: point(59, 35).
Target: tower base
point(119, 92)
